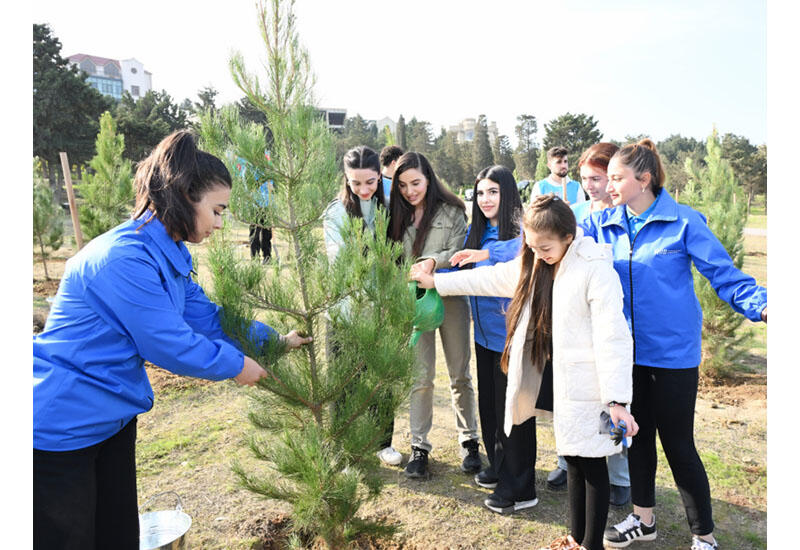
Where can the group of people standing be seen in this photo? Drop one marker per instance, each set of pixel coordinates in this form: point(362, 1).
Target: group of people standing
point(583, 311)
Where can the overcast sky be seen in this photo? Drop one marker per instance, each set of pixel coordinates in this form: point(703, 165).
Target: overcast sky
point(654, 68)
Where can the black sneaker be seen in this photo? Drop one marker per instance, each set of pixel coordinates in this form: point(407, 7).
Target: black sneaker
point(472, 461)
point(557, 480)
point(503, 506)
point(417, 467)
point(486, 478)
point(627, 531)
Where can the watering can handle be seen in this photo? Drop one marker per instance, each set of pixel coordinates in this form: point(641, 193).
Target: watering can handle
point(178, 507)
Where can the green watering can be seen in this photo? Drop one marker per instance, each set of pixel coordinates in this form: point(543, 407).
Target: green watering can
point(428, 310)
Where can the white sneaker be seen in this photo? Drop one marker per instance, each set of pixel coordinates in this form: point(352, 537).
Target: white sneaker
point(390, 456)
point(700, 544)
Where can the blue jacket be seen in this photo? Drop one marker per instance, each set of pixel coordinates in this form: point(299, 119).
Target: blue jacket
point(660, 304)
point(126, 297)
point(489, 313)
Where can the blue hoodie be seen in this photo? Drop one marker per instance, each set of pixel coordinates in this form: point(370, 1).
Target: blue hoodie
point(126, 297)
point(489, 313)
point(654, 268)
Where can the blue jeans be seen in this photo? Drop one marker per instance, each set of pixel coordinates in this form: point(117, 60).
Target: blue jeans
point(617, 468)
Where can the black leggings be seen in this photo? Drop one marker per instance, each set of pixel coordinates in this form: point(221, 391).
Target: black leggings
point(512, 457)
point(663, 402)
point(86, 498)
point(587, 483)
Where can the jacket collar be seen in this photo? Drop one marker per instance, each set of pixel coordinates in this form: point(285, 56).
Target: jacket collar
point(175, 251)
point(666, 209)
point(572, 250)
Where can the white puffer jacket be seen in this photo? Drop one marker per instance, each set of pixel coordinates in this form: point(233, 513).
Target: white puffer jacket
point(592, 346)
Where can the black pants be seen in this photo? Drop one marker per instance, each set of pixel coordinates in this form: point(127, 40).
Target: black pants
point(587, 483)
point(663, 402)
point(512, 457)
point(260, 241)
point(86, 498)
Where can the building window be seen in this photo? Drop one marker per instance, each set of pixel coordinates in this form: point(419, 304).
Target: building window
point(111, 70)
point(87, 66)
point(135, 91)
point(133, 70)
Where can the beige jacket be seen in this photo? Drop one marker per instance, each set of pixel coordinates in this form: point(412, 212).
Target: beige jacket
point(445, 238)
point(592, 346)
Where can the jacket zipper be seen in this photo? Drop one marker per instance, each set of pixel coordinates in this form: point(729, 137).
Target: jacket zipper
point(630, 279)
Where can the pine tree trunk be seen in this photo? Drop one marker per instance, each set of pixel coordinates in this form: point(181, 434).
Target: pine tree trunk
point(44, 263)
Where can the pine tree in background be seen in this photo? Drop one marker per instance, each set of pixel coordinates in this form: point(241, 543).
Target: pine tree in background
point(107, 190)
point(542, 171)
point(714, 191)
point(526, 152)
point(388, 138)
point(48, 229)
point(318, 417)
point(401, 133)
point(481, 147)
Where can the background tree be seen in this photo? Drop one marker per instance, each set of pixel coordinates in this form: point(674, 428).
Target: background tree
point(48, 229)
point(401, 133)
point(446, 159)
point(714, 191)
point(481, 147)
point(674, 151)
point(542, 171)
point(503, 153)
point(526, 152)
point(65, 107)
point(749, 165)
point(576, 133)
point(107, 188)
point(318, 457)
point(148, 120)
point(388, 138)
point(419, 136)
point(356, 131)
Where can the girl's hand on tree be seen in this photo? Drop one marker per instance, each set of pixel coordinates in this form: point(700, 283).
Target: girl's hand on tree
point(468, 256)
point(617, 413)
point(251, 373)
point(764, 315)
point(294, 340)
point(424, 280)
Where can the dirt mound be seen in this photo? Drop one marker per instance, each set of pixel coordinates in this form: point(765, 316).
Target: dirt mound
point(273, 534)
point(736, 390)
point(161, 379)
point(45, 287)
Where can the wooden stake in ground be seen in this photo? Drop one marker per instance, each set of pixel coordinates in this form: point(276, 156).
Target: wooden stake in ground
point(73, 208)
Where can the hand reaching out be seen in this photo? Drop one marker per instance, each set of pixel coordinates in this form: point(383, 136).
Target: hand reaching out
point(468, 256)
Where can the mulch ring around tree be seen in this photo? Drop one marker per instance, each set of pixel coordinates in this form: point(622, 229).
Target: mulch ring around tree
point(273, 534)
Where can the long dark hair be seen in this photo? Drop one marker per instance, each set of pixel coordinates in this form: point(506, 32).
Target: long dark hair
point(546, 214)
point(354, 159)
point(509, 213)
point(172, 178)
point(400, 210)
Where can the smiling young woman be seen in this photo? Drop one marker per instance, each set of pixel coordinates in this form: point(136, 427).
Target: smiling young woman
point(493, 237)
point(655, 241)
point(431, 222)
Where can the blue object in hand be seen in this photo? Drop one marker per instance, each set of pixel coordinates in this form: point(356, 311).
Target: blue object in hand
point(618, 433)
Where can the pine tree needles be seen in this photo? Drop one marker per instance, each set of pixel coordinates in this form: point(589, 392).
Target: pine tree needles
point(321, 414)
point(714, 191)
